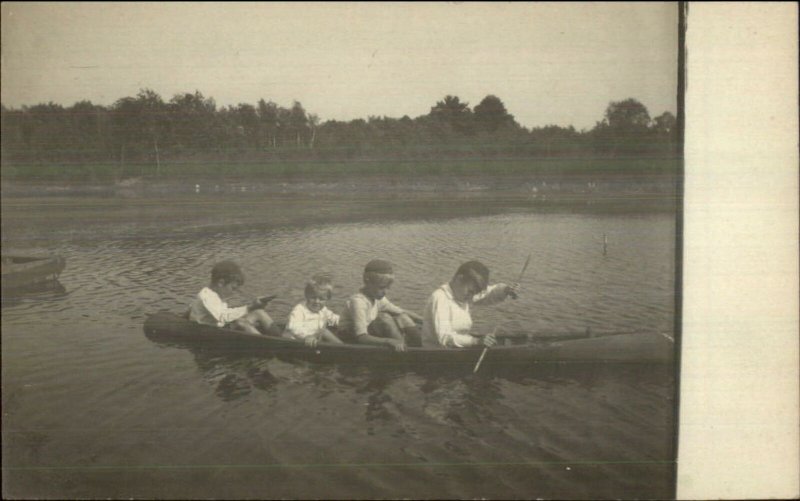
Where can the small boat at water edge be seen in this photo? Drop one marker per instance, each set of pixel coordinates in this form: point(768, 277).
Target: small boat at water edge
point(637, 348)
point(26, 270)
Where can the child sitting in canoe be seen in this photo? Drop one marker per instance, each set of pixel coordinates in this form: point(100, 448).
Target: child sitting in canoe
point(210, 307)
point(447, 314)
point(370, 318)
point(309, 321)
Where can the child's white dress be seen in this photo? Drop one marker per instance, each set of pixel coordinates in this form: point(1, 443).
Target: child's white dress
point(304, 322)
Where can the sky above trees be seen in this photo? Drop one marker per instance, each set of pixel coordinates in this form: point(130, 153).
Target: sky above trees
point(550, 63)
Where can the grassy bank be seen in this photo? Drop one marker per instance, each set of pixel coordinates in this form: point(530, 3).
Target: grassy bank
point(42, 202)
point(290, 171)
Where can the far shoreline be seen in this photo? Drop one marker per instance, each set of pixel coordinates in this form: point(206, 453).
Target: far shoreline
point(42, 213)
point(583, 187)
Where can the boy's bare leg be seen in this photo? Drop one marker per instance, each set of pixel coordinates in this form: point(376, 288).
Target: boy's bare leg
point(385, 326)
point(262, 323)
point(410, 332)
point(329, 337)
point(246, 325)
point(260, 318)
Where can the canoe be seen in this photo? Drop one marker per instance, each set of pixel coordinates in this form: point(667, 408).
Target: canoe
point(638, 348)
point(23, 271)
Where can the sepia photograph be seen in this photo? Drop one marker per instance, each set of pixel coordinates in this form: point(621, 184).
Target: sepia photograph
point(341, 250)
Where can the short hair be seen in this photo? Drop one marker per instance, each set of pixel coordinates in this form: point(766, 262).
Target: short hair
point(319, 284)
point(372, 277)
point(476, 271)
point(378, 271)
point(228, 272)
point(379, 266)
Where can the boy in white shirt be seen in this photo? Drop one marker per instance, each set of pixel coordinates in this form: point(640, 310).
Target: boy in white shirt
point(210, 307)
point(309, 320)
point(447, 320)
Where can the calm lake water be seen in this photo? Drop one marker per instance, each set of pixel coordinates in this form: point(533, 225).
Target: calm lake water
point(92, 408)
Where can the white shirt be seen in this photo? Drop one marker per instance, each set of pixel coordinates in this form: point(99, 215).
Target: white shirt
point(208, 308)
point(304, 322)
point(448, 322)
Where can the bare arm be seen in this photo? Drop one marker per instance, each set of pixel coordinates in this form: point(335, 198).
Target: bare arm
point(496, 293)
point(391, 308)
point(222, 313)
point(414, 316)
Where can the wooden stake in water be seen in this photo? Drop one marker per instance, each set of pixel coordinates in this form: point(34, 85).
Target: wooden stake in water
point(605, 244)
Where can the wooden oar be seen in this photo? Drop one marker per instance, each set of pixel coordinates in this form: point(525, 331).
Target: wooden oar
point(521, 273)
point(262, 300)
point(483, 354)
point(514, 296)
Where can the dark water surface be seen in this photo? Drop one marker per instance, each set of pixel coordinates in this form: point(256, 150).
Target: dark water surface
point(92, 408)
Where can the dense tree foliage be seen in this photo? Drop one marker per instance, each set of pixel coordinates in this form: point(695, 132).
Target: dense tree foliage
point(491, 115)
point(191, 128)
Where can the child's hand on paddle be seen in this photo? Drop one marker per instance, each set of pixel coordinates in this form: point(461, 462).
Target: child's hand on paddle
point(489, 340)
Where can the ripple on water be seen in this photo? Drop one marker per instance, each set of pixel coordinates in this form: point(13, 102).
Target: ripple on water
point(78, 370)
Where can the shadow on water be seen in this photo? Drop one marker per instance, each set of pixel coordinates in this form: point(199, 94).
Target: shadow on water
point(232, 374)
point(235, 377)
point(455, 398)
point(431, 414)
point(468, 403)
point(46, 291)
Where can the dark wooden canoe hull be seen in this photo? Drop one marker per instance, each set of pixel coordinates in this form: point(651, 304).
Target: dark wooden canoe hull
point(22, 271)
point(642, 348)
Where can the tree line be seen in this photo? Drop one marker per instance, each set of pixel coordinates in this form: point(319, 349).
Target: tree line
point(192, 128)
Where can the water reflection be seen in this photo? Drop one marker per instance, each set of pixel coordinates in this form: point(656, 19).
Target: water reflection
point(461, 402)
point(233, 375)
point(44, 291)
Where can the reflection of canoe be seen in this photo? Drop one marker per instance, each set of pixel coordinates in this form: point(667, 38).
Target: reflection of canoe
point(22, 271)
point(624, 348)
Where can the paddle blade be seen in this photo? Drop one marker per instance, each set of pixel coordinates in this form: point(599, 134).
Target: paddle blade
point(525, 267)
point(478, 365)
point(264, 300)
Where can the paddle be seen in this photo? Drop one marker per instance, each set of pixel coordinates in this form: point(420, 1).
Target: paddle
point(513, 296)
point(264, 300)
point(521, 273)
point(483, 354)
